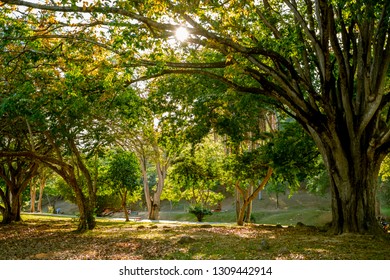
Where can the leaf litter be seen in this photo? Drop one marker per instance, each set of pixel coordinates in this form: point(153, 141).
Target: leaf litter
point(36, 239)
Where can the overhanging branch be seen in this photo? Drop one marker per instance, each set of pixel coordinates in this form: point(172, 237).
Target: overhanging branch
point(214, 76)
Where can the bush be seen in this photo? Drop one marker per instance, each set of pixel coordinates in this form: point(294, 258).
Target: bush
point(199, 211)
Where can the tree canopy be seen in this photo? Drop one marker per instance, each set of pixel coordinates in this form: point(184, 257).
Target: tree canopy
point(324, 63)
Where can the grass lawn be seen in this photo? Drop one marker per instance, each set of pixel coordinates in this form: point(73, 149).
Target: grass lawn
point(43, 237)
point(315, 217)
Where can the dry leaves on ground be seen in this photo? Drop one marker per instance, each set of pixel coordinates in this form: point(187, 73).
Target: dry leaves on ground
point(113, 240)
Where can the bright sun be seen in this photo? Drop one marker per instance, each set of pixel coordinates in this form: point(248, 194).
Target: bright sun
point(181, 34)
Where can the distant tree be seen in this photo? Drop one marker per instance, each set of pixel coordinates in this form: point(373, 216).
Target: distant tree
point(125, 174)
point(196, 174)
point(277, 188)
point(248, 172)
point(384, 186)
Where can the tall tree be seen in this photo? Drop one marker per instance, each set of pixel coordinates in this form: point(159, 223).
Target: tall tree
point(325, 63)
point(144, 141)
point(62, 98)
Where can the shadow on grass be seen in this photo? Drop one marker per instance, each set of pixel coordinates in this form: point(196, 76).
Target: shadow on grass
point(114, 240)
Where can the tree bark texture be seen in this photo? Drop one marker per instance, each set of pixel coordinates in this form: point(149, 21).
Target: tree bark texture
point(17, 174)
point(353, 169)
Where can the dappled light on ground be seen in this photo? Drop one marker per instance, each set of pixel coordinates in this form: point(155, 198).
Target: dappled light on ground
point(55, 239)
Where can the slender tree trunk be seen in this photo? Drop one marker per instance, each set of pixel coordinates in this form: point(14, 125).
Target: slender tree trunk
point(161, 173)
point(124, 206)
point(148, 197)
point(248, 196)
point(238, 201)
point(33, 193)
point(242, 212)
point(248, 212)
point(42, 184)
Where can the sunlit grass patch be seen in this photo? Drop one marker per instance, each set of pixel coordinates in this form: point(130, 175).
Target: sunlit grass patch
point(54, 238)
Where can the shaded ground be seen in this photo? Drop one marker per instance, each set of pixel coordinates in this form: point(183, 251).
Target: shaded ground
point(53, 238)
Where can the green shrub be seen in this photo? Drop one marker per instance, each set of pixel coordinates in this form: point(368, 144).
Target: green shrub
point(199, 211)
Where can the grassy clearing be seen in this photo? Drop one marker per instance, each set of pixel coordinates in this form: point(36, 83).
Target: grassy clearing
point(385, 212)
point(290, 217)
point(41, 237)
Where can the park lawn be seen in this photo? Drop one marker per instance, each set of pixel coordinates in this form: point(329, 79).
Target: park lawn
point(42, 237)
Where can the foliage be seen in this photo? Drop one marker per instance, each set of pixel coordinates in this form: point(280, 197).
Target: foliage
point(196, 174)
point(124, 171)
point(276, 187)
point(293, 155)
point(119, 177)
point(325, 63)
point(384, 179)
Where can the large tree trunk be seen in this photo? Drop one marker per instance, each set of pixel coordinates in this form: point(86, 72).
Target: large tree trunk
point(86, 203)
point(353, 168)
point(12, 209)
point(17, 177)
point(86, 219)
point(86, 210)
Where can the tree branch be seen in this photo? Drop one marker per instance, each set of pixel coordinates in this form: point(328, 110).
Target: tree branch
point(222, 79)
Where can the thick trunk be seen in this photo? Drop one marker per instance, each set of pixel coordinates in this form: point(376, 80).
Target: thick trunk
point(17, 180)
point(11, 211)
point(89, 202)
point(353, 170)
point(354, 200)
point(154, 211)
point(87, 218)
point(153, 200)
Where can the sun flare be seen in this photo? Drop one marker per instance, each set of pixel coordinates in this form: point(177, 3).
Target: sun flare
point(181, 34)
